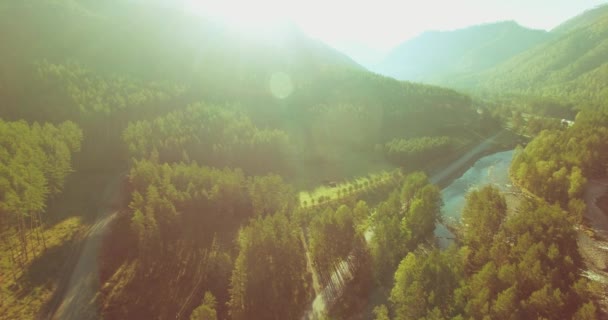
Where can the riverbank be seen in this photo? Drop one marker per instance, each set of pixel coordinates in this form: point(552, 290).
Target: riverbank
point(594, 247)
point(592, 237)
point(441, 171)
point(445, 170)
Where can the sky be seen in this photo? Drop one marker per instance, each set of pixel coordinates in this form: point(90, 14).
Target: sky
point(382, 24)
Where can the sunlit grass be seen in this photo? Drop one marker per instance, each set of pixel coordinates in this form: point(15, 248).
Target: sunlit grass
point(37, 280)
point(342, 189)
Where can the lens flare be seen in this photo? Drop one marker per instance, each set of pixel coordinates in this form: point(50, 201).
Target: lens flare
point(280, 85)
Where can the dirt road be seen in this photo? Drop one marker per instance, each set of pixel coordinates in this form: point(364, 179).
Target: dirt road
point(595, 249)
point(79, 300)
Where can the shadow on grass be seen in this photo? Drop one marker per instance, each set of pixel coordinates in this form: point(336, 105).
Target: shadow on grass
point(50, 270)
point(81, 197)
point(45, 268)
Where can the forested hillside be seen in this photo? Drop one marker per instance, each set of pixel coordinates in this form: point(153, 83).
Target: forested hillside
point(216, 129)
point(439, 56)
point(573, 65)
point(153, 164)
point(34, 163)
point(518, 267)
point(104, 74)
point(557, 163)
point(582, 20)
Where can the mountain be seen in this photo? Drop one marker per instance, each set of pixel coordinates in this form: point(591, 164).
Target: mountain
point(106, 64)
point(582, 20)
point(129, 33)
point(189, 103)
point(366, 56)
point(572, 65)
point(436, 56)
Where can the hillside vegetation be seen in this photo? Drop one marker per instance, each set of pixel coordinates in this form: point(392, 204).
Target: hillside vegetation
point(439, 56)
point(217, 129)
point(572, 65)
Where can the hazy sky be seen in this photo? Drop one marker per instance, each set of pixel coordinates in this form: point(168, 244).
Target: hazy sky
point(382, 24)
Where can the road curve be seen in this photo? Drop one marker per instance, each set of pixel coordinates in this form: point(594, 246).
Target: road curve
point(79, 300)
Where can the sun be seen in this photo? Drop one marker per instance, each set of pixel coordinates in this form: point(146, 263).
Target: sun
point(259, 17)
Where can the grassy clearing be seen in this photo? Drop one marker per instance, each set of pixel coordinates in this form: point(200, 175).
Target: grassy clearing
point(23, 291)
point(344, 188)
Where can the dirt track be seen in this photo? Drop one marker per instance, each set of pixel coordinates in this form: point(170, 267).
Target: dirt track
point(79, 301)
point(594, 249)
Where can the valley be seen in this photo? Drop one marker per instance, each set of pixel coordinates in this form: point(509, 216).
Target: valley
point(160, 162)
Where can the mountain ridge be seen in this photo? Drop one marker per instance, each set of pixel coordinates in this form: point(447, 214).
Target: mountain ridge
point(573, 65)
point(434, 56)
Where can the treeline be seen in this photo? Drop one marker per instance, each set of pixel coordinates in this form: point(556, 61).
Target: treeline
point(90, 92)
point(116, 69)
point(556, 164)
point(402, 222)
point(528, 115)
point(71, 90)
point(183, 217)
point(570, 67)
point(336, 112)
point(524, 266)
point(417, 151)
point(211, 135)
point(369, 241)
point(269, 279)
point(34, 162)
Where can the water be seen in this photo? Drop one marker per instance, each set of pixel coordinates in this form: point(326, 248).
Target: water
point(492, 169)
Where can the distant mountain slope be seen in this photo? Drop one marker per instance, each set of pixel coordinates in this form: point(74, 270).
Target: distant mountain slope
point(366, 56)
point(105, 64)
point(149, 40)
point(574, 65)
point(582, 20)
point(436, 56)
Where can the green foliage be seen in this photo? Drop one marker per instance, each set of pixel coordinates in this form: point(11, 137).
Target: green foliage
point(586, 312)
point(482, 216)
point(176, 201)
point(422, 215)
point(530, 270)
point(423, 285)
point(439, 57)
point(209, 134)
point(269, 280)
point(206, 311)
point(381, 313)
point(333, 236)
point(181, 218)
point(90, 92)
point(269, 194)
point(555, 164)
point(417, 151)
point(570, 66)
point(106, 64)
point(34, 162)
point(523, 267)
point(404, 221)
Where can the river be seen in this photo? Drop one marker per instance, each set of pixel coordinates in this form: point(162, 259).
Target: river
point(492, 169)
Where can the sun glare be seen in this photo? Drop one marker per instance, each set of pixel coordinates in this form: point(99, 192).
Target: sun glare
point(254, 17)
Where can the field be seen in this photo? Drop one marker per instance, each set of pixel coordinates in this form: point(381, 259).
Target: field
point(24, 290)
point(333, 190)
